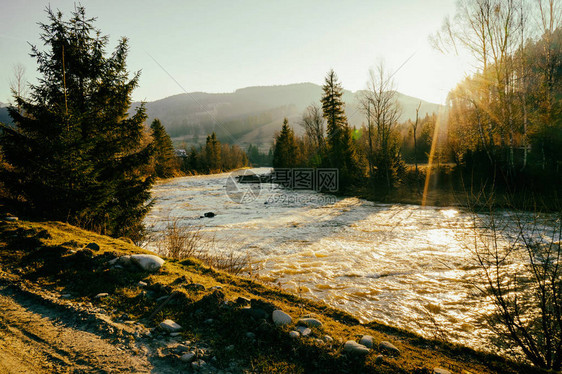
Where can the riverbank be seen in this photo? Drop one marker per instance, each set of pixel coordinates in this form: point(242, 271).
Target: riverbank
point(226, 320)
point(446, 187)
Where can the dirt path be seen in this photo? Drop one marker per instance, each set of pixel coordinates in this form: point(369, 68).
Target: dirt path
point(37, 338)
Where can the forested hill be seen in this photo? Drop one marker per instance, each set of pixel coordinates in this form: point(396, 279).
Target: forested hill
point(253, 114)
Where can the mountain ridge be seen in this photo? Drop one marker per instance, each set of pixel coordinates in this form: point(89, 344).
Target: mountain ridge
point(252, 115)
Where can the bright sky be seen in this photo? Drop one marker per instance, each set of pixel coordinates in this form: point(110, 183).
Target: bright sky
point(219, 46)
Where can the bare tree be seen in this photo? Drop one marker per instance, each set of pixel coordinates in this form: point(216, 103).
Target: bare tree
point(491, 31)
point(520, 257)
point(414, 126)
point(18, 84)
point(313, 123)
point(549, 21)
point(383, 112)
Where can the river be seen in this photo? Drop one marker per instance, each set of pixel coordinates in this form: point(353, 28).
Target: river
point(404, 265)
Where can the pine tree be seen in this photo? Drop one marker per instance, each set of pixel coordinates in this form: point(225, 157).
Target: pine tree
point(213, 153)
point(285, 152)
point(340, 148)
point(74, 154)
point(165, 159)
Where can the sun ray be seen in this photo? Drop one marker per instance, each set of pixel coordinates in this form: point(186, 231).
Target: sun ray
point(434, 142)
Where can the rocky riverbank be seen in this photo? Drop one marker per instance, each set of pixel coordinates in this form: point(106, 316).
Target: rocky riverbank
point(119, 308)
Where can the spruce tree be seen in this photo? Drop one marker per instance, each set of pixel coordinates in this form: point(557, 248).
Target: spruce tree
point(165, 159)
point(213, 153)
point(285, 153)
point(74, 154)
point(340, 148)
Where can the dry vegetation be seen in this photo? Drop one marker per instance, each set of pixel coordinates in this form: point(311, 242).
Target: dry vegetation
point(180, 241)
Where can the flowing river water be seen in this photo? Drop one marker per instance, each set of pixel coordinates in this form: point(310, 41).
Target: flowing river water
point(404, 265)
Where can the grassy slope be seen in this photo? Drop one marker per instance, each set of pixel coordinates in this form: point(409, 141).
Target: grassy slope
point(50, 254)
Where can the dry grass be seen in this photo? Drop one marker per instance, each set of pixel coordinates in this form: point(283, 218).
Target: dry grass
point(180, 241)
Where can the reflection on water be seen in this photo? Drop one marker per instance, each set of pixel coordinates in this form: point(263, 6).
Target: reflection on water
point(404, 265)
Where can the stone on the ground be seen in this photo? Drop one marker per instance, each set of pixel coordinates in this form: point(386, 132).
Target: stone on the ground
point(93, 246)
point(181, 348)
point(367, 341)
point(188, 357)
point(250, 335)
point(141, 284)
point(379, 359)
point(11, 218)
point(100, 295)
point(177, 333)
point(439, 370)
point(389, 347)
point(123, 260)
point(304, 331)
point(328, 338)
point(355, 348)
point(309, 322)
point(147, 262)
point(209, 214)
point(280, 318)
point(294, 334)
point(199, 364)
point(170, 326)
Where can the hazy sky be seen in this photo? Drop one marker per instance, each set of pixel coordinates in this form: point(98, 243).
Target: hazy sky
point(219, 46)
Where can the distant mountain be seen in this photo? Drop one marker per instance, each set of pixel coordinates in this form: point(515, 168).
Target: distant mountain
point(249, 115)
point(254, 114)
